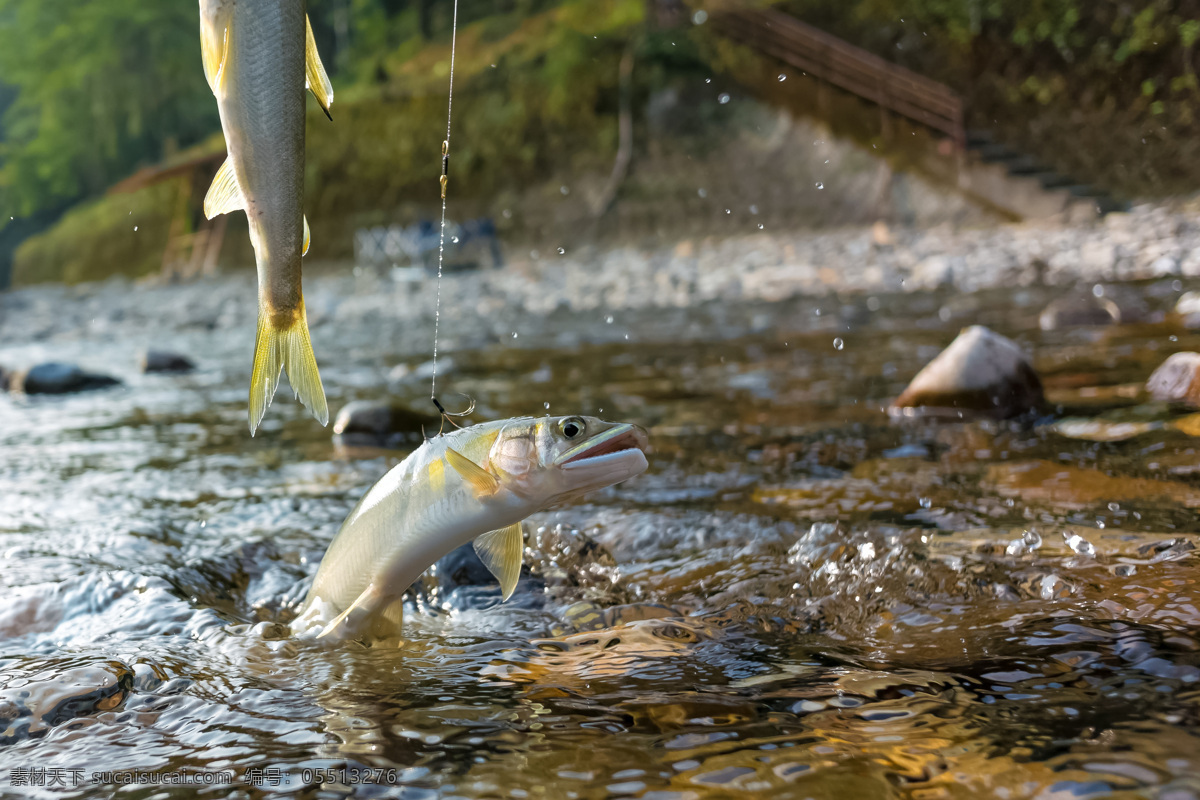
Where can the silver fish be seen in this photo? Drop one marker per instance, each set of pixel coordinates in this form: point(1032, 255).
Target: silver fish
point(476, 483)
point(258, 57)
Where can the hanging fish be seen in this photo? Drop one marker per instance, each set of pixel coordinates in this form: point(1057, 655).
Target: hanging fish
point(475, 483)
point(258, 57)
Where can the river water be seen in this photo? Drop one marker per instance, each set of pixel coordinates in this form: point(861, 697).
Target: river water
point(799, 599)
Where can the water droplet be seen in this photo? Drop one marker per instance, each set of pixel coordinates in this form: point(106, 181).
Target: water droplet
point(1172, 337)
point(1078, 544)
point(1032, 539)
point(924, 502)
point(708, 80)
point(515, 334)
point(728, 211)
point(820, 185)
point(760, 226)
point(454, 240)
point(562, 251)
point(700, 17)
point(135, 227)
point(838, 344)
point(782, 77)
point(1098, 291)
point(627, 337)
point(546, 405)
point(723, 98)
point(1114, 506)
point(609, 319)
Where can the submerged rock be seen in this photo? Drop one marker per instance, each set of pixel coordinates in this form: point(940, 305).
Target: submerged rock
point(980, 372)
point(58, 692)
point(166, 361)
point(382, 423)
point(1177, 380)
point(54, 378)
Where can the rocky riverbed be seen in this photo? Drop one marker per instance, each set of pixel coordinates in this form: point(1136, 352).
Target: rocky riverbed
point(803, 596)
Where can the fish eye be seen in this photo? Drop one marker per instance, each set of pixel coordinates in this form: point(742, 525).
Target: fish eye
point(571, 427)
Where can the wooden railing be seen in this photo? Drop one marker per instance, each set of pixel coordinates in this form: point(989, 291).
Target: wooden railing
point(851, 68)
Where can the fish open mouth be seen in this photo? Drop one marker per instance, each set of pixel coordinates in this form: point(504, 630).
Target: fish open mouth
point(621, 439)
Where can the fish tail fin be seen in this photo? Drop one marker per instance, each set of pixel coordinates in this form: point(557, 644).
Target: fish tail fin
point(285, 347)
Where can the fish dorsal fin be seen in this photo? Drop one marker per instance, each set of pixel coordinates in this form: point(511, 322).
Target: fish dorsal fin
point(214, 49)
point(307, 236)
point(481, 480)
point(225, 194)
point(314, 71)
point(500, 551)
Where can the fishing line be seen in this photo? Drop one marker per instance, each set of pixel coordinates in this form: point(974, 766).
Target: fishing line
point(443, 180)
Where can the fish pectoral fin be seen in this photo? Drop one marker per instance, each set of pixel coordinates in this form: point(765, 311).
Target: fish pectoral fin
point(484, 482)
point(348, 624)
point(500, 551)
point(225, 194)
point(214, 50)
point(314, 71)
point(277, 349)
point(307, 236)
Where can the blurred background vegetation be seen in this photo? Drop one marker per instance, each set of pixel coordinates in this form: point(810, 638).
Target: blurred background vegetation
point(91, 92)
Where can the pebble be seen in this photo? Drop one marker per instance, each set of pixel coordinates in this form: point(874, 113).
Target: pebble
point(166, 361)
point(1177, 380)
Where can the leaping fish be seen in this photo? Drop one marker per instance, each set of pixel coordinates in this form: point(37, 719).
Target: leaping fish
point(258, 57)
point(476, 483)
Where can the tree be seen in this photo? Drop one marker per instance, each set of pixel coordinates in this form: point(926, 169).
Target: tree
point(100, 87)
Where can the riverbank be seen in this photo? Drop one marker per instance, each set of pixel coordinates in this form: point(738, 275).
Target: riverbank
point(588, 285)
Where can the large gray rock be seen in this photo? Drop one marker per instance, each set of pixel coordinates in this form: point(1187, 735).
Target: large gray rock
point(166, 361)
point(980, 373)
point(1177, 380)
point(55, 378)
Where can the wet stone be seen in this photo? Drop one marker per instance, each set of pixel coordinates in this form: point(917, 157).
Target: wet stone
point(1079, 309)
point(1177, 380)
point(166, 361)
point(54, 378)
point(32, 704)
point(981, 373)
point(382, 423)
point(1188, 307)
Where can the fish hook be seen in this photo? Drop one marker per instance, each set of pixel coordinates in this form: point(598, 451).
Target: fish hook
point(446, 415)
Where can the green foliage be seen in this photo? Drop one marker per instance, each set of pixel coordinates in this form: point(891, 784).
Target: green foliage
point(119, 234)
point(101, 86)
